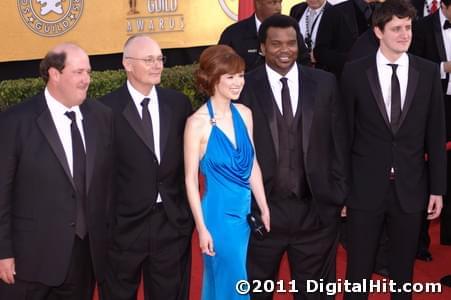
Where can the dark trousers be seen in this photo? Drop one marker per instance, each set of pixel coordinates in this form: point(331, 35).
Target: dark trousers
point(78, 284)
point(364, 229)
point(310, 246)
point(445, 219)
point(162, 257)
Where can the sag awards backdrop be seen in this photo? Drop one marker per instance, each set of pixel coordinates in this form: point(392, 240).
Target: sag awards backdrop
point(30, 27)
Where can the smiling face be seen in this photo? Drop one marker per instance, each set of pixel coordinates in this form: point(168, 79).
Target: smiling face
point(141, 74)
point(229, 86)
point(70, 85)
point(280, 49)
point(395, 37)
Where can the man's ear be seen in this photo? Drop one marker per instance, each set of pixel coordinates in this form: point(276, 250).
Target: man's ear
point(54, 74)
point(126, 64)
point(378, 32)
point(262, 49)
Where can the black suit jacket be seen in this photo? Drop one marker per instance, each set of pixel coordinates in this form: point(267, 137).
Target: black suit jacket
point(37, 192)
point(138, 175)
point(365, 45)
point(323, 137)
point(355, 19)
point(375, 149)
point(242, 37)
point(428, 42)
point(333, 40)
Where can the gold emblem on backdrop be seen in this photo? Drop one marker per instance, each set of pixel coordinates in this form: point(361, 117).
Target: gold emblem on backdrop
point(50, 17)
point(230, 8)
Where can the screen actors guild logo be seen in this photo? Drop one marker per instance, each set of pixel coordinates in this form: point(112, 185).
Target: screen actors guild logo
point(50, 17)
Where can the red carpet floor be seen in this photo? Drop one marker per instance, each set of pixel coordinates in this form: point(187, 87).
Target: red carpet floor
point(424, 272)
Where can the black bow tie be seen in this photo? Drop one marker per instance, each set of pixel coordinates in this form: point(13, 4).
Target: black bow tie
point(446, 25)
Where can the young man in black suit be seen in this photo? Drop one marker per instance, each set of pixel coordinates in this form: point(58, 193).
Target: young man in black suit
point(152, 223)
point(242, 36)
point(432, 40)
point(55, 178)
point(300, 141)
point(325, 32)
point(396, 115)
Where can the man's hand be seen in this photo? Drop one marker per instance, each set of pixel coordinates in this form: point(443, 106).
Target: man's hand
point(447, 66)
point(7, 270)
point(435, 206)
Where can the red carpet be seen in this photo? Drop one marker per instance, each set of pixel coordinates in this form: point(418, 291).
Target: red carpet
point(424, 272)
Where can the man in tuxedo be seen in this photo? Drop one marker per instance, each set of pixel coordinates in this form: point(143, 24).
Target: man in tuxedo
point(152, 224)
point(300, 141)
point(325, 32)
point(242, 36)
point(396, 114)
point(55, 177)
point(432, 40)
point(425, 7)
point(357, 14)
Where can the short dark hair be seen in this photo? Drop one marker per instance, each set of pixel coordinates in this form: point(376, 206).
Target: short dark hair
point(214, 62)
point(388, 9)
point(277, 21)
point(52, 60)
point(446, 2)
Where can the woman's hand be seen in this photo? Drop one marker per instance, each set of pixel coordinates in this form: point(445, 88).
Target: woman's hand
point(206, 242)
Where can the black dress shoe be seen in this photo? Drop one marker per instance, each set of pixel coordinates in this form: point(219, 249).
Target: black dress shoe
point(446, 280)
point(424, 256)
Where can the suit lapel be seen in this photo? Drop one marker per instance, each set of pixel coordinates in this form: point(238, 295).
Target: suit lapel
point(262, 90)
point(306, 102)
point(373, 80)
point(165, 121)
point(438, 37)
point(47, 126)
point(90, 133)
point(132, 116)
point(412, 83)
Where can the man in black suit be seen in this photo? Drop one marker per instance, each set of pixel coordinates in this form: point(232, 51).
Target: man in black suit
point(242, 36)
point(432, 40)
point(55, 178)
point(357, 14)
point(395, 110)
point(325, 32)
point(152, 224)
point(300, 142)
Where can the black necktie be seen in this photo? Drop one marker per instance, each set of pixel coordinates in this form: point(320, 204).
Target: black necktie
point(286, 102)
point(79, 175)
point(446, 25)
point(147, 122)
point(395, 113)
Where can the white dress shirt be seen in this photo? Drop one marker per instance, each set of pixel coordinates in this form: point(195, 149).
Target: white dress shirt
point(154, 115)
point(385, 72)
point(276, 86)
point(62, 124)
point(303, 22)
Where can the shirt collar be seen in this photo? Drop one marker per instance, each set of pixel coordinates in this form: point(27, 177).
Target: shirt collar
point(319, 9)
point(138, 97)
point(57, 108)
point(402, 61)
point(257, 23)
point(292, 74)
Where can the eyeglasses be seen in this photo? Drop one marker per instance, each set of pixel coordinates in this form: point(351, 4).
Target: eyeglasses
point(150, 60)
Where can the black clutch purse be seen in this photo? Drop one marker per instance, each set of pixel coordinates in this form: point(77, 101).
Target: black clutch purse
point(256, 225)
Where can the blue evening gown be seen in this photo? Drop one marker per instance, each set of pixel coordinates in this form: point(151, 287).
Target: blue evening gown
point(225, 205)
